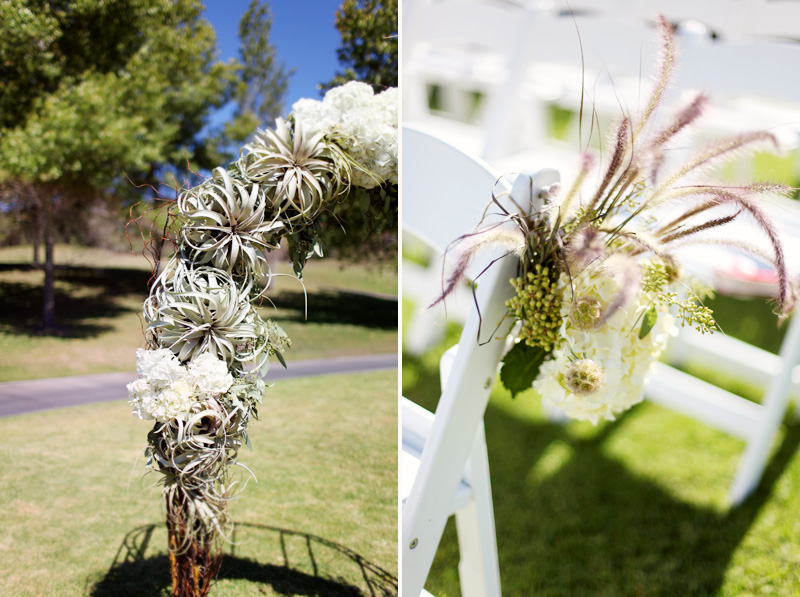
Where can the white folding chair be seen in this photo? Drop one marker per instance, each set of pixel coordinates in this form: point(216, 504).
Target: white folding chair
point(730, 69)
point(444, 464)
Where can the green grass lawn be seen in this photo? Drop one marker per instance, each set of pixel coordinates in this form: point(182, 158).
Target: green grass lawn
point(80, 519)
point(98, 303)
point(637, 507)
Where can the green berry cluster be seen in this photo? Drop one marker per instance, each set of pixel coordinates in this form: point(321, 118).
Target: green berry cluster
point(538, 305)
point(697, 315)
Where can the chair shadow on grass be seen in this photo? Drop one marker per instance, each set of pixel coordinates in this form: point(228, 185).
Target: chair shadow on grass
point(93, 295)
point(595, 527)
point(134, 573)
point(591, 525)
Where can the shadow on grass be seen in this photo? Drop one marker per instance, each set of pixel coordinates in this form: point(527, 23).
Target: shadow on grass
point(594, 527)
point(133, 573)
point(590, 525)
point(82, 294)
point(85, 294)
point(337, 306)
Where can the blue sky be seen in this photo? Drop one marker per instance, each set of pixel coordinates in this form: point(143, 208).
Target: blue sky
point(303, 31)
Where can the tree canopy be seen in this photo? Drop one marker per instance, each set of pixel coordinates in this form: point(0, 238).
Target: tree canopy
point(368, 51)
point(96, 92)
point(93, 89)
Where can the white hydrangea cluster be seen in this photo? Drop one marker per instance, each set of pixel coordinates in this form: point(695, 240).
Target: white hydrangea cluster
point(167, 390)
point(618, 361)
point(362, 123)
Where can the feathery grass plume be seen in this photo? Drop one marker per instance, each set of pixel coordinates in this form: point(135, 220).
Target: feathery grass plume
point(715, 223)
point(628, 274)
point(725, 149)
point(685, 118)
point(620, 148)
point(666, 68)
point(642, 241)
point(584, 247)
point(691, 212)
point(734, 243)
point(746, 203)
point(507, 239)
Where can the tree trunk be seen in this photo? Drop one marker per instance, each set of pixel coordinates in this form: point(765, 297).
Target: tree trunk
point(49, 304)
point(194, 567)
point(36, 228)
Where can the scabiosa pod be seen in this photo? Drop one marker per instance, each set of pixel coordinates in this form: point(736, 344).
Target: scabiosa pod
point(584, 377)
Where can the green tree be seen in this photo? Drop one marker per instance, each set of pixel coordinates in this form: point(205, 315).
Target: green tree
point(365, 226)
point(260, 91)
point(368, 51)
point(98, 94)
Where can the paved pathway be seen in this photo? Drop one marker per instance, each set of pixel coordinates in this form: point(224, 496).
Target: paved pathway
point(17, 397)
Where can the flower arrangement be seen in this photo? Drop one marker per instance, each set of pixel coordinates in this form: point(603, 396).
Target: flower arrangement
point(200, 377)
point(599, 286)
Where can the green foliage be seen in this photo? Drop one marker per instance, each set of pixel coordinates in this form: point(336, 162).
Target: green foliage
point(521, 366)
point(122, 86)
point(364, 228)
point(648, 321)
point(369, 43)
point(97, 95)
point(690, 310)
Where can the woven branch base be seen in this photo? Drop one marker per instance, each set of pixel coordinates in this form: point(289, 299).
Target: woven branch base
point(193, 569)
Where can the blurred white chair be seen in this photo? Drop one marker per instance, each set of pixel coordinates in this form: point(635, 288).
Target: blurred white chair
point(469, 50)
point(444, 465)
point(728, 71)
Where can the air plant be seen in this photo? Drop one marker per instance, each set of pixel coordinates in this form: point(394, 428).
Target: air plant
point(228, 225)
point(207, 346)
point(598, 268)
point(193, 310)
point(302, 174)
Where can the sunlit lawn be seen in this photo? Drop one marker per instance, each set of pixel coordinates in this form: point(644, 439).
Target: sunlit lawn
point(98, 302)
point(637, 507)
point(78, 518)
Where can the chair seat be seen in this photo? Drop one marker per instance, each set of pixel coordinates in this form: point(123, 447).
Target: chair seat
point(417, 423)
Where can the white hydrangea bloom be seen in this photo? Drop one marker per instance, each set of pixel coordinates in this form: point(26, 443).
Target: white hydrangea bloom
point(363, 124)
point(209, 376)
point(166, 389)
point(160, 367)
point(623, 358)
point(173, 402)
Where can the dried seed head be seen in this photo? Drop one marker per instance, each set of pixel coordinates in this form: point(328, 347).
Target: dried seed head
point(584, 377)
point(585, 312)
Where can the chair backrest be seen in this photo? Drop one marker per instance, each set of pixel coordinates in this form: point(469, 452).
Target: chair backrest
point(468, 47)
point(444, 196)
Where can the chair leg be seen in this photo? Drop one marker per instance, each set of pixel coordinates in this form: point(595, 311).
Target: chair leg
point(478, 569)
point(756, 453)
